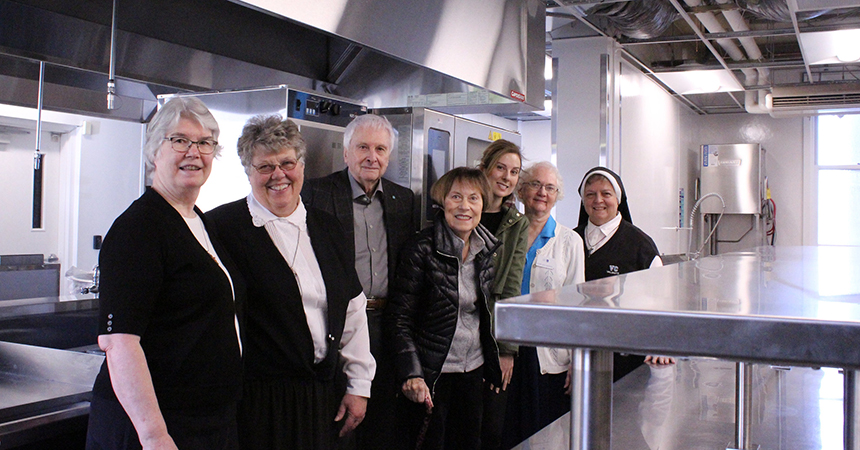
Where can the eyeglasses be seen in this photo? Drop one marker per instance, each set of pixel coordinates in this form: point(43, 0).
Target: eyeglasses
point(536, 185)
point(267, 169)
point(182, 145)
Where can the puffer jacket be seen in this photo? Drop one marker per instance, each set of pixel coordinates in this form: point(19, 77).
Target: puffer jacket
point(424, 304)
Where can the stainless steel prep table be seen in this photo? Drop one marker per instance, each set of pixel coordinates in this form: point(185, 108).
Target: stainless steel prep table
point(690, 405)
point(780, 305)
point(41, 389)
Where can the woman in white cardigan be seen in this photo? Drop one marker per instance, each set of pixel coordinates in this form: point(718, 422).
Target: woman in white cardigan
point(555, 258)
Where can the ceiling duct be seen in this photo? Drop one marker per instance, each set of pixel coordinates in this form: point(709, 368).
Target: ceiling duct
point(777, 10)
point(638, 20)
point(837, 98)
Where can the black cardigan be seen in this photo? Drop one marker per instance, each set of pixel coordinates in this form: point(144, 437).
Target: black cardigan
point(629, 250)
point(159, 283)
point(277, 340)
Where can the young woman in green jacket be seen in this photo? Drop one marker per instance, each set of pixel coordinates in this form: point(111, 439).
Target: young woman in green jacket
point(501, 163)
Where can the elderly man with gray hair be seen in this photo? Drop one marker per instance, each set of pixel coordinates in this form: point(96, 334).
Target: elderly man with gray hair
point(377, 216)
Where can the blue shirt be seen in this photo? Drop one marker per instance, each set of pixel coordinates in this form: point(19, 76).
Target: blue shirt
point(547, 233)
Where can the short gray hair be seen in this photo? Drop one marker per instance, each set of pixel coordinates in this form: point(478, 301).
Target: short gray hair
point(371, 121)
point(527, 176)
point(166, 120)
point(269, 134)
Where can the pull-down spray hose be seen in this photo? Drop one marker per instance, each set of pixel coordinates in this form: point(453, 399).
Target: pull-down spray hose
point(694, 255)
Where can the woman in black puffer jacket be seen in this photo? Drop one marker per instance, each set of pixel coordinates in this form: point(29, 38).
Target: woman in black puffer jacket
point(438, 320)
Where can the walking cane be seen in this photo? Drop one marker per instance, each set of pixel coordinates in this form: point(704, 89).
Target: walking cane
point(422, 433)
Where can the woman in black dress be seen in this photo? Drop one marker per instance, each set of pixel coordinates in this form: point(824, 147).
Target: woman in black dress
point(167, 322)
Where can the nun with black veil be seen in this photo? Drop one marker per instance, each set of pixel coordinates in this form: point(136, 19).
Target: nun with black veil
point(613, 245)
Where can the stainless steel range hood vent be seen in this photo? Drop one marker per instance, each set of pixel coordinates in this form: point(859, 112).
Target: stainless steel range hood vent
point(456, 53)
point(495, 45)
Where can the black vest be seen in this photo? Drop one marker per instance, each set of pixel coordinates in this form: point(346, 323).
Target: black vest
point(629, 250)
point(276, 337)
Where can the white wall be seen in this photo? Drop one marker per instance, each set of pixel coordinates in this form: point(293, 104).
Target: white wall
point(111, 178)
point(537, 141)
point(16, 203)
point(91, 175)
point(654, 145)
point(654, 157)
point(577, 121)
point(647, 142)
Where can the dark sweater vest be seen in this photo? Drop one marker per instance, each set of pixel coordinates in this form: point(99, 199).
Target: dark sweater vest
point(629, 250)
point(277, 340)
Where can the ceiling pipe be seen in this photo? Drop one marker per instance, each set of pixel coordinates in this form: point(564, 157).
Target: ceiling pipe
point(111, 84)
point(754, 101)
point(683, 12)
point(709, 20)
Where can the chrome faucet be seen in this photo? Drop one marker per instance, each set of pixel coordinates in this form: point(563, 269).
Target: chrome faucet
point(94, 288)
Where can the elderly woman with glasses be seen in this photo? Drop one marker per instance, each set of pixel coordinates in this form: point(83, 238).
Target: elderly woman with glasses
point(555, 258)
point(439, 321)
point(305, 310)
point(167, 323)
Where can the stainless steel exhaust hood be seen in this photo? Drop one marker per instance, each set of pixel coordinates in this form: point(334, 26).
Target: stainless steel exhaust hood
point(497, 45)
point(457, 53)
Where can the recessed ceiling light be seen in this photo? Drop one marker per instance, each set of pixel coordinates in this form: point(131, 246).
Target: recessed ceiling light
point(831, 47)
point(847, 47)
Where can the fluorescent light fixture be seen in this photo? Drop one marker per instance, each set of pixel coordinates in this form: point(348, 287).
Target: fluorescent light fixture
point(547, 68)
point(700, 81)
point(831, 47)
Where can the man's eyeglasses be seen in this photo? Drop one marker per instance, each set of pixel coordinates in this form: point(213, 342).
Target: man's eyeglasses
point(536, 185)
point(182, 145)
point(267, 169)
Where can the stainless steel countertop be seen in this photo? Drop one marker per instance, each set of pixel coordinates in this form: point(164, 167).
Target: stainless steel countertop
point(48, 305)
point(782, 305)
point(691, 406)
point(37, 380)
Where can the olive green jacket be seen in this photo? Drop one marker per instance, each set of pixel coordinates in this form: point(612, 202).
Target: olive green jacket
point(509, 262)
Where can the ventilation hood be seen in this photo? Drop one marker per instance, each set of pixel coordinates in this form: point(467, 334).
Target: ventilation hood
point(455, 55)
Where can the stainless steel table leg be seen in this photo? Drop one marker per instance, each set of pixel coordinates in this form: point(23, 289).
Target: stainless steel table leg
point(850, 403)
point(743, 406)
point(591, 399)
